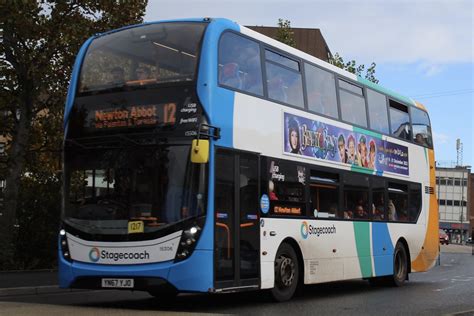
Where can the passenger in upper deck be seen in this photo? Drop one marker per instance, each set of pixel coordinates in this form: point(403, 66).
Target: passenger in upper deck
point(419, 139)
point(230, 75)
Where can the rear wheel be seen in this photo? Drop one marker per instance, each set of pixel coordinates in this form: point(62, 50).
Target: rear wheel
point(400, 269)
point(286, 273)
point(400, 265)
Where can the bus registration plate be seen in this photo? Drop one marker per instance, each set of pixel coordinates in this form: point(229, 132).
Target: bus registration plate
point(117, 283)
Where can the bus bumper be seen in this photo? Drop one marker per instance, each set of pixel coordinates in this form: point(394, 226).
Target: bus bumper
point(194, 274)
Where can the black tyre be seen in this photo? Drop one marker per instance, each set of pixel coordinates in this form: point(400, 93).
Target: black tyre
point(400, 265)
point(286, 273)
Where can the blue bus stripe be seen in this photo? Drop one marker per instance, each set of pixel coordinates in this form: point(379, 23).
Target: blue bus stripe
point(383, 259)
point(217, 102)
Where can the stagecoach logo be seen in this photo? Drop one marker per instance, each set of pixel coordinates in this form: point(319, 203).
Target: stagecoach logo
point(304, 229)
point(94, 254)
point(307, 230)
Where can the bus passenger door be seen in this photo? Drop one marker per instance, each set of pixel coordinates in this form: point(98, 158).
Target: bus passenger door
point(236, 239)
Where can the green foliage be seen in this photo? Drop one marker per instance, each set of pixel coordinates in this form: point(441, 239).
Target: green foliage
point(284, 33)
point(351, 66)
point(38, 222)
point(39, 42)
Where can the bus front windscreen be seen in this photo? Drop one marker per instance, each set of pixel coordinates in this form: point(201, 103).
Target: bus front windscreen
point(107, 188)
point(142, 56)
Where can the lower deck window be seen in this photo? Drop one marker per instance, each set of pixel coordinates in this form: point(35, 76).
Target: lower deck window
point(356, 203)
point(397, 202)
point(324, 200)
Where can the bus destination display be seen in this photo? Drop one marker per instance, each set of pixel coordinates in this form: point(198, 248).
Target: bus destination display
point(135, 116)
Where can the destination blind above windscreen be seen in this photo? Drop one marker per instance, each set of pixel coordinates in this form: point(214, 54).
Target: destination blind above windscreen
point(135, 111)
point(133, 116)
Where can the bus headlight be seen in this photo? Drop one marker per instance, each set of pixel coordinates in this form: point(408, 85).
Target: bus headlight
point(188, 242)
point(64, 246)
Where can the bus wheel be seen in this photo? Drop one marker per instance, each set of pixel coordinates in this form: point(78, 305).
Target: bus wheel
point(286, 273)
point(400, 265)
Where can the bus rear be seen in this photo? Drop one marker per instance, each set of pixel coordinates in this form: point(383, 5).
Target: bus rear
point(134, 205)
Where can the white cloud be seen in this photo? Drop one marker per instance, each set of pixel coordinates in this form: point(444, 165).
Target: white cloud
point(399, 31)
point(440, 138)
point(428, 69)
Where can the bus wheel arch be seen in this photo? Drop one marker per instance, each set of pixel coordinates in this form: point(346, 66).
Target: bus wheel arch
point(289, 270)
point(401, 263)
point(403, 241)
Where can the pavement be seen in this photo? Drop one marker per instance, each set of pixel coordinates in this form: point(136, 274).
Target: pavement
point(29, 282)
point(14, 283)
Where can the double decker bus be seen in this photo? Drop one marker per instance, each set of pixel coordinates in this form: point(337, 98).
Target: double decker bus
point(201, 156)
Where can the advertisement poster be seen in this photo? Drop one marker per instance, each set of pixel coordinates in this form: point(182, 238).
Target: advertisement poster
point(324, 141)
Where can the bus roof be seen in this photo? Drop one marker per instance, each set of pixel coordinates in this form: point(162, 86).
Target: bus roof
point(289, 49)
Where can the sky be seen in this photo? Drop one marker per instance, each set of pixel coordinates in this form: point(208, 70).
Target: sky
point(423, 48)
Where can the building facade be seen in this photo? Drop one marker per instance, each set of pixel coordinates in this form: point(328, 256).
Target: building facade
point(454, 192)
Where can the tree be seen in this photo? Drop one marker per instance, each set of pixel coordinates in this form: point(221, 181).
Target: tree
point(352, 67)
point(37, 50)
point(284, 33)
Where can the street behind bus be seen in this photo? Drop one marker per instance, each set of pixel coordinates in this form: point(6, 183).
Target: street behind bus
point(447, 289)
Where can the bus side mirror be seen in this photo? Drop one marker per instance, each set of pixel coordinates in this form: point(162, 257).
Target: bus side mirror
point(200, 151)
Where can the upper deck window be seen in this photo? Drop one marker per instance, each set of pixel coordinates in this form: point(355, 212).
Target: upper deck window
point(282, 60)
point(148, 54)
point(378, 111)
point(352, 103)
point(421, 127)
point(284, 81)
point(400, 120)
point(321, 90)
point(239, 64)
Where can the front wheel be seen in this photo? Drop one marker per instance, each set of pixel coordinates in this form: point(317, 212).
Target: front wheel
point(400, 265)
point(286, 273)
